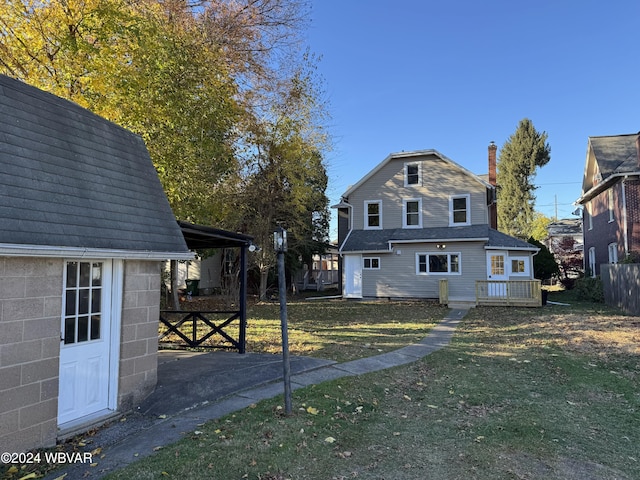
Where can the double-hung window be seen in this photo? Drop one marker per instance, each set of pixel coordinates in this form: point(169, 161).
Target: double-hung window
point(459, 210)
point(373, 214)
point(412, 174)
point(412, 213)
point(438, 263)
point(612, 248)
point(610, 204)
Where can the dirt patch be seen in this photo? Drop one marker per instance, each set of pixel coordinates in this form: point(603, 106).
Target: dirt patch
point(526, 467)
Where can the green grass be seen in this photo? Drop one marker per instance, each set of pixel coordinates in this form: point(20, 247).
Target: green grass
point(547, 393)
point(341, 330)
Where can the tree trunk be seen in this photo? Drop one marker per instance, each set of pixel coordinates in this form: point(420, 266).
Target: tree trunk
point(175, 297)
point(264, 276)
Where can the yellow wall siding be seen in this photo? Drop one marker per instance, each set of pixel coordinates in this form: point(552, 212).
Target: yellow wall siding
point(440, 180)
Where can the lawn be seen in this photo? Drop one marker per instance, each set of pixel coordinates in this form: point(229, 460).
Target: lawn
point(520, 393)
point(549, 393)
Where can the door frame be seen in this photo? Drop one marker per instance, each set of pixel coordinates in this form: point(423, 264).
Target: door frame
point(498, 289)
point(116, 291)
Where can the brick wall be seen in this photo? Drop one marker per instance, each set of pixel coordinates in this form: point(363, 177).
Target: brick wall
point(30, 306)
point(139, 347)
point(632, 191)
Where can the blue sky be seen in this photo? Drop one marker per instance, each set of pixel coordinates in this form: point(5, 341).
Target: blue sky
point(454, 75)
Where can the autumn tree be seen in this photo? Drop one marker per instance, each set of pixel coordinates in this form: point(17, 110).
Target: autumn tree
point(524, 152)
point(286, 179)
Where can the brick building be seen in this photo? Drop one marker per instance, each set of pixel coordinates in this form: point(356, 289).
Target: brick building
point(611, 201)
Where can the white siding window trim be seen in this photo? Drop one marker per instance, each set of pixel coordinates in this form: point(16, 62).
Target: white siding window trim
point(369, 219)
point(610, 204)
point(371, 263)
point(592, 261)
point(412, 174)
point(455, 210)
point(424, 263)
point(519, 266)
point(589, 216)
point(612, 248)
point(406, 213)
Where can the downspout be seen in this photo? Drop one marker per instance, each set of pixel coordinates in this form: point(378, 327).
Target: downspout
point(625, 232)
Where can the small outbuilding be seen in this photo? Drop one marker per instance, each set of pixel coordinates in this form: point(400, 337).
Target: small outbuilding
point(86, 228)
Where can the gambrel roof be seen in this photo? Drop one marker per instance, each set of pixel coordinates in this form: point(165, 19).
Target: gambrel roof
point(381, 240)
point(71, 182)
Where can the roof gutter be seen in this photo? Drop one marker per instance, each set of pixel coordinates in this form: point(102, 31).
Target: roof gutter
point(46, 251)
point(599, 188)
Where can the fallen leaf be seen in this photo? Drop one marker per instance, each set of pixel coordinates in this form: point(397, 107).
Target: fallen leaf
point(27, 477)
point(406, 397)
point(329, 439)
point(312, 410)
point(432, 406)
point(162, 416)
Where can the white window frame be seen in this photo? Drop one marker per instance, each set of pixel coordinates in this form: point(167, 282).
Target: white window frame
point(612, 249)
point(592, 261)
point(448, 255)
point(406, 174)
point(610, 204)
point(405, 224)
point(371, 262)
point(467, 198)
point(366, 214)
point(526, 262)
point(589, 216)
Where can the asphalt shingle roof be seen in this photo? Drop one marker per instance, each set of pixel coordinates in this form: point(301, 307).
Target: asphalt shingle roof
point(378, 240)
point(615, 154)
point(69, 178)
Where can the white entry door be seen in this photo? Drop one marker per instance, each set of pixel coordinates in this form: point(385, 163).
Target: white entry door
point(352, 280)
point(497, 273)
point(85, 348)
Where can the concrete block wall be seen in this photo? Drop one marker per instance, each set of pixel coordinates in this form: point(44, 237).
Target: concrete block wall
point(139, 333)
point(30, 306)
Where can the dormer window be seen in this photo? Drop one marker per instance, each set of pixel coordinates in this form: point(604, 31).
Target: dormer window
point(412, 174)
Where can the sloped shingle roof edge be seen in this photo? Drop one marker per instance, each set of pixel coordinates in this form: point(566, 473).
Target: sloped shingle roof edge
point(73, 182)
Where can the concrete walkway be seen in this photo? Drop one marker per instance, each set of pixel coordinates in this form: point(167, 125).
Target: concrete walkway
point(210, 389)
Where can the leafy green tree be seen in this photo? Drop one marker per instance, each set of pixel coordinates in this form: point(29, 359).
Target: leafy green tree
point(524, 152)
point(539, 226)
point(544, 263)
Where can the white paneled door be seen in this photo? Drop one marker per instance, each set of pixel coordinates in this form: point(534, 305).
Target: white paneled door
point(85, 340)
point(352, 276)
point(497, 273)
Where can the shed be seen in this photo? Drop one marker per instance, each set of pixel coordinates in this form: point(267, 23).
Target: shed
point(86, 227)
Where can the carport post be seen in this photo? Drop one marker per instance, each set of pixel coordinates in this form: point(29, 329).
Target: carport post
point(243, 299)
point(280, 244)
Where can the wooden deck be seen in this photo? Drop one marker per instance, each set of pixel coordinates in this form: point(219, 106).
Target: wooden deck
point(522, 293)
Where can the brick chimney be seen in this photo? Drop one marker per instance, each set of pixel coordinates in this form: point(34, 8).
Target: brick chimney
point(493, 207)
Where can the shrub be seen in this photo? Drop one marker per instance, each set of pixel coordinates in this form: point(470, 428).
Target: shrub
point(590, 289)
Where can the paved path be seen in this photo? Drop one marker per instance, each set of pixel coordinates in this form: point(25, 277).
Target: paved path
point(212, 393)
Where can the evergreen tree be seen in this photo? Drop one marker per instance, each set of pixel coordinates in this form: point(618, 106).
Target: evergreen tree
point(526, 150)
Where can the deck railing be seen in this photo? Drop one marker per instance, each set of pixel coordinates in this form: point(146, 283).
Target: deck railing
point(509, 292)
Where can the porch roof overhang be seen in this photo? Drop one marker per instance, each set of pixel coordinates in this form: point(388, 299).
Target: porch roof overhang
point(200, 237)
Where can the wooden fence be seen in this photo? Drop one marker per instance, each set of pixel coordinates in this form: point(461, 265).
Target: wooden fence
point(621, 285)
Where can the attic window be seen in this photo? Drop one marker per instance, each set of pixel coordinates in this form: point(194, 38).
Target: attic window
point(411, 174)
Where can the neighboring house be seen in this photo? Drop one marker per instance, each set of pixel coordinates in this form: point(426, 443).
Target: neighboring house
point(611, 201)
point(86, 227)
point(564, 240)
point(417, 218)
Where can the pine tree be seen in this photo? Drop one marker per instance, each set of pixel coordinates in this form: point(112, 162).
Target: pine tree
point(526, 150)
